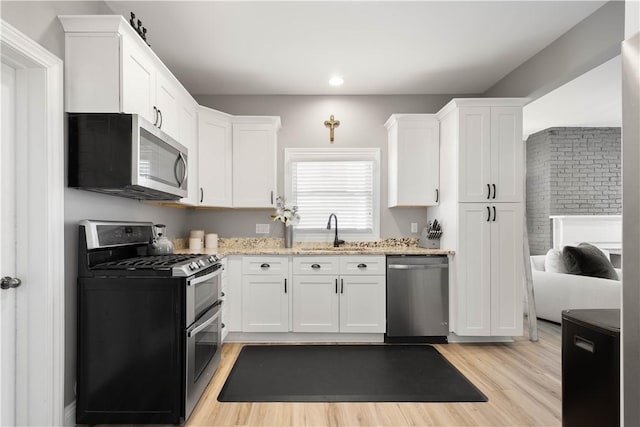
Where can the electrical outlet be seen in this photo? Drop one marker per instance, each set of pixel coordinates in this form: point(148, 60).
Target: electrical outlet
point(262, 228)
point(414, 227)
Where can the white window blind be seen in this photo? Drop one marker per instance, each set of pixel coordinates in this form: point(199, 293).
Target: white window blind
point(345, 188)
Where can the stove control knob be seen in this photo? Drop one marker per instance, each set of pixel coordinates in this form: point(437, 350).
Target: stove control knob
point(193, 266)
point(201, 263)
point(212, 259)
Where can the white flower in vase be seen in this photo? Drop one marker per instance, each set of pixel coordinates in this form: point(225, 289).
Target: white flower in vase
point(288, 215)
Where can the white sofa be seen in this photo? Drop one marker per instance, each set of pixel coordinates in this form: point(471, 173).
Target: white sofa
point(555, 292)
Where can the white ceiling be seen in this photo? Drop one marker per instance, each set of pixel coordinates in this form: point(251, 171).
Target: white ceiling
point(380, 47)
point(592, 100)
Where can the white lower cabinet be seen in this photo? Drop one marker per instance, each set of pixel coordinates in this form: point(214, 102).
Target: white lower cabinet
point(362, 304)
point(315, 303)
point(328, 302)
point(265, 295)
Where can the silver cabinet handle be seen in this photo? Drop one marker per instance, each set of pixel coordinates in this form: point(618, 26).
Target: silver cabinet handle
point(8, 282)
point(416, 266)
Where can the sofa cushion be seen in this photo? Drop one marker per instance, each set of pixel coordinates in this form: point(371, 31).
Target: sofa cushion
point(554, 262)
point(587, 260)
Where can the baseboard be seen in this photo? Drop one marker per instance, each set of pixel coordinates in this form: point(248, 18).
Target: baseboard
point(70, 414)
point(307, 337)
point(453, 338)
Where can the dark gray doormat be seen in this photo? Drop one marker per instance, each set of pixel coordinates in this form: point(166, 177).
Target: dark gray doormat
point(346, 373)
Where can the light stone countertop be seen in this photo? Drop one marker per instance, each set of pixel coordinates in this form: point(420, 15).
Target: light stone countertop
point(274, 246)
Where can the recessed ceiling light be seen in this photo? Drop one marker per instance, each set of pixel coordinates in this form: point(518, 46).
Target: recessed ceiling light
point(336, 81)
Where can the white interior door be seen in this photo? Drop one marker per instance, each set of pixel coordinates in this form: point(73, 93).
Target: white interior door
point(8, 249)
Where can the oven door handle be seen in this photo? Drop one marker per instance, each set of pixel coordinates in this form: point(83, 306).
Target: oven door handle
point(204, 278)
point(206, 324)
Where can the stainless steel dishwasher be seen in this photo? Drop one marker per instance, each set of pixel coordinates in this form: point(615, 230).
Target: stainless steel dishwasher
point(417, 298)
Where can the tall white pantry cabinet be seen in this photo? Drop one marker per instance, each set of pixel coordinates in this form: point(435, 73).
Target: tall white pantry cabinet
point(481, 211)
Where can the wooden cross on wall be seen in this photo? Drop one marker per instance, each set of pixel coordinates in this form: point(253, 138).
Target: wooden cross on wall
point(331, 124)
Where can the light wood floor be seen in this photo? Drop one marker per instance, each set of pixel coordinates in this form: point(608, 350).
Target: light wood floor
point(522, 381)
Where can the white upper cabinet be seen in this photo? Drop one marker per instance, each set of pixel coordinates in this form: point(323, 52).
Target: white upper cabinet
point(215, 158)
point(255, 145)
point(188, 128)
point(491, 154)
point(109, 68)
point(414, 160)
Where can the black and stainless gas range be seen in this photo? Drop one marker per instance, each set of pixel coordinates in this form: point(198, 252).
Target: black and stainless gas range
point(149, 327)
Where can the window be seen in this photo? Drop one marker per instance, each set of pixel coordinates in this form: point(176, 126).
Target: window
point(341, 181)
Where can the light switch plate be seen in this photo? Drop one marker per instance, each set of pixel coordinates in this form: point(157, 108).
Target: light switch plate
point(414, 227)
point(262, 228)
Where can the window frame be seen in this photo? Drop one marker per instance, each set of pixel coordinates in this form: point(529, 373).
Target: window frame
point(336, 154)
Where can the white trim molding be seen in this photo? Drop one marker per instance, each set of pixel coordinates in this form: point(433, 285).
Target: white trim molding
point(40, 228)
point(70, 414)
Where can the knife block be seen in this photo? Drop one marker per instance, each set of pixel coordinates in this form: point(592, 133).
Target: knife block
point(426, 242)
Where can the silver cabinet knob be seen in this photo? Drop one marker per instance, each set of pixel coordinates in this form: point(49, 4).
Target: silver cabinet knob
point(10, 282)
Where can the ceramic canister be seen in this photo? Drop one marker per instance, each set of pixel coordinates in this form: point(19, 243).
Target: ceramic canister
point(211, 241)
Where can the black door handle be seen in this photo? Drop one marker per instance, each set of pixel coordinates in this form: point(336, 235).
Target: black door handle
point(494, 190)
point(488, 191)
point(494, 214)
point(362, 265)
point(336, 286)
point(315, 266)
point(265, 265)
point(160, 113)
point(285, 285)
point(437, 195)
point(155, 121)
point(342, 286)
point(488, 214)
point(201, 194)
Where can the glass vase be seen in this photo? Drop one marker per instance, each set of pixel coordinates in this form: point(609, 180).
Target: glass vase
point(288, 236)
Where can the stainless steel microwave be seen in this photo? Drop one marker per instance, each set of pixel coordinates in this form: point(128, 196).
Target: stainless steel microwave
point(125, 155)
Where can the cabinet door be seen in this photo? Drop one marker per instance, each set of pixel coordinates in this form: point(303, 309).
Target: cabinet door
point(265, 303)
point(254, 165)
point(506, 269)
point(417, 164)
point(188, 130)
point(214, 159)
point(362, 304)
point(167, 102)
point(138, 81)
point(473, 260)
point(474, 163)
point(315, 306)
point(507, 161)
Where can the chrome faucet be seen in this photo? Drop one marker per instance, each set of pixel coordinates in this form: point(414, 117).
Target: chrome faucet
point(336, 242)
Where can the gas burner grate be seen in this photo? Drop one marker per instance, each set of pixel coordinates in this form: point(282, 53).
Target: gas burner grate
point(149, 262)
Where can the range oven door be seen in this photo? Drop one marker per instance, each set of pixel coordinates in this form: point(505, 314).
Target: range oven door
point(203, 291)
point(203, 345)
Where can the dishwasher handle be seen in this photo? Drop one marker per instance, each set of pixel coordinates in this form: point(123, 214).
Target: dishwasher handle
point(416, 266)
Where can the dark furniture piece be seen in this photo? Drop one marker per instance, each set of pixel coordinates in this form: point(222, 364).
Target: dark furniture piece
point(591, 367)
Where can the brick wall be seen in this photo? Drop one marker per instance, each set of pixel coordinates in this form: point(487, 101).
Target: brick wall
point(571, 171)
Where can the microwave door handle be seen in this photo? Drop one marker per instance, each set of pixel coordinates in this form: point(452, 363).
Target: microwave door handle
point(175, 171)
point(184, 174)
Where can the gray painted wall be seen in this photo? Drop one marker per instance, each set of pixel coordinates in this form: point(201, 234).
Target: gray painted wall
point(571, 171)
point(39, 21)
point(362, 119)
point(590, 43)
